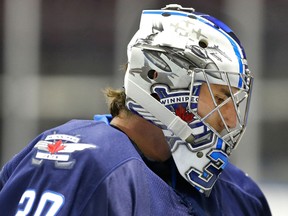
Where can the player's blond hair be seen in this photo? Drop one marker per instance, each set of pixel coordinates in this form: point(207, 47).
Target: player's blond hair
point(116, 101)
point(116, 98)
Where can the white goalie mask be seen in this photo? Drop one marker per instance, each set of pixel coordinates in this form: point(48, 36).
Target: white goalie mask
point(175, 51)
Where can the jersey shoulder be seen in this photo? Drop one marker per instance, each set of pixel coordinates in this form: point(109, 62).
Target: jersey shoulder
point(77, 141)
point(82, 142)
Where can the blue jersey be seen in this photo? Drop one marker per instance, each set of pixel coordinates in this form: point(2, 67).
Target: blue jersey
point(91, 168)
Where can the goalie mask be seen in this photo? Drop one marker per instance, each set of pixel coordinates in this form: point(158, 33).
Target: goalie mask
point(173, 57)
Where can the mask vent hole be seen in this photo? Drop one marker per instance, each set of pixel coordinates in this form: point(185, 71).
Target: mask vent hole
point(152, 74)
point(156, 96)
point(203, 43)
point(192, 16)
point(200, 154)
point(166, 14)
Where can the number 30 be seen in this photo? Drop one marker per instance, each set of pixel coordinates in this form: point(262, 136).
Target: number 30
point(56, 201)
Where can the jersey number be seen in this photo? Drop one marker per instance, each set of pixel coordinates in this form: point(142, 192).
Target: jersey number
point(27, 201)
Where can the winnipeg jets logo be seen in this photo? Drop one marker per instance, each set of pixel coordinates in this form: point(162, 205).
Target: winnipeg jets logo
point(59, 148)
point(177, 101)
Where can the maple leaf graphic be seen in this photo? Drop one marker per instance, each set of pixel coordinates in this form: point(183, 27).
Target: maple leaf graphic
point(55, 147)
point(183, 114)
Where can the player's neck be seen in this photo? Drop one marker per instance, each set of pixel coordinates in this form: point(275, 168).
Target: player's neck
point(148, 137)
